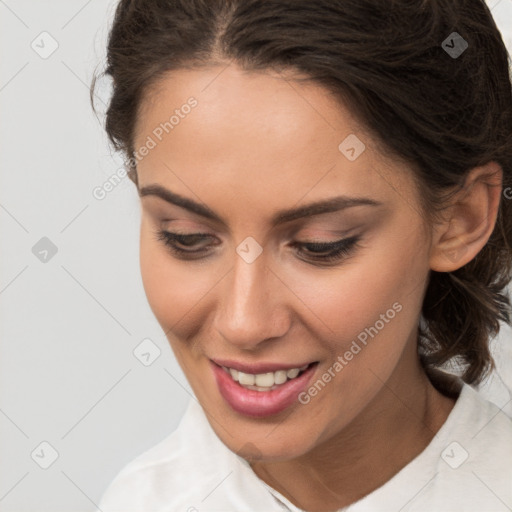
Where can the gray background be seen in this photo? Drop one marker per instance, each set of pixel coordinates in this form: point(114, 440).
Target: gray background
point(70, 321)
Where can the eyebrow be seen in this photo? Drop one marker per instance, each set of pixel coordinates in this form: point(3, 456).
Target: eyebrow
point(330, 205)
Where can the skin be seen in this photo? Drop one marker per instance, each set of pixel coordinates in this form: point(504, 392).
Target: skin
point(255, 144)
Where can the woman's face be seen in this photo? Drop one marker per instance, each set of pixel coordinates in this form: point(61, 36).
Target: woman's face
point(249, 149)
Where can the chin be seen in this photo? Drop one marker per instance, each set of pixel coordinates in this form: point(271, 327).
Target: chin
point(268, 442)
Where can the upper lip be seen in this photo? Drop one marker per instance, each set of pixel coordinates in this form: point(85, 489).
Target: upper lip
point(256, 368)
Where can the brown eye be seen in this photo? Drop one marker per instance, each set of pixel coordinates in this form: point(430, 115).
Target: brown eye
point(189, 246)
point(186, 241)
point(327, 252)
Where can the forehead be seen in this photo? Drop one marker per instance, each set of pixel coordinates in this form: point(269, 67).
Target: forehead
point(260, 135)
point(258, 106)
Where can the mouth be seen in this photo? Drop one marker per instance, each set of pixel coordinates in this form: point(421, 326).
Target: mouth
point(266, 390)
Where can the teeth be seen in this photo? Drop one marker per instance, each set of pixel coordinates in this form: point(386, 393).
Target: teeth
point(263, 381)
point(246, 379)
point(291, 374)
point(258, 388)
point(280, 377)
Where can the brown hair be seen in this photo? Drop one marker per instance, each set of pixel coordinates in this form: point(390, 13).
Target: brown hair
point(389, 61)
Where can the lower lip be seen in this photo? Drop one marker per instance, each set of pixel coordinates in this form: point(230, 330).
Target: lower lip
point(261, 403)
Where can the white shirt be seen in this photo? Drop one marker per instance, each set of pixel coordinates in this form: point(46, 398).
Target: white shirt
point(466, 467)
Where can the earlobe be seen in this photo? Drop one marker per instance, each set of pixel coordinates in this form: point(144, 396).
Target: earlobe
point(470, 221)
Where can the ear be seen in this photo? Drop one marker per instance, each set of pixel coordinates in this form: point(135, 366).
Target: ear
point(469, 220)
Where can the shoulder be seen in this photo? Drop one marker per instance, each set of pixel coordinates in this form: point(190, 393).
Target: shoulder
point(466, 466)
point(188, 470)
point(470, 459)
point(483, 426)
point(485, 432)
point(160, 476)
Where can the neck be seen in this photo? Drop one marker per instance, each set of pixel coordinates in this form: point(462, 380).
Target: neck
point(393, 429)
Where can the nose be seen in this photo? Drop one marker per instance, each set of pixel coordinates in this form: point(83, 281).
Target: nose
point(252, 307)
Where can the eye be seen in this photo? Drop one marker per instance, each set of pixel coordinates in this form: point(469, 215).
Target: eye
point(182, 246)
point(175, 240)
point(327, 252)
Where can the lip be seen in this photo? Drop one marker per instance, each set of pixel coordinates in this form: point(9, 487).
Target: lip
point(258, 404)
point(256, 368)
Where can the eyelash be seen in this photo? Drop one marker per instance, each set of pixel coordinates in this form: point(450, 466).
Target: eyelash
point(335, 250)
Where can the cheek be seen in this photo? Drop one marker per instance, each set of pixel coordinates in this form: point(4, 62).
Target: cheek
point(376, 296)
point(173, 291)
point(368, 311)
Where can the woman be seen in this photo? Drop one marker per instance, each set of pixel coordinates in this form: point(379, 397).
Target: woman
point(326, 242)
